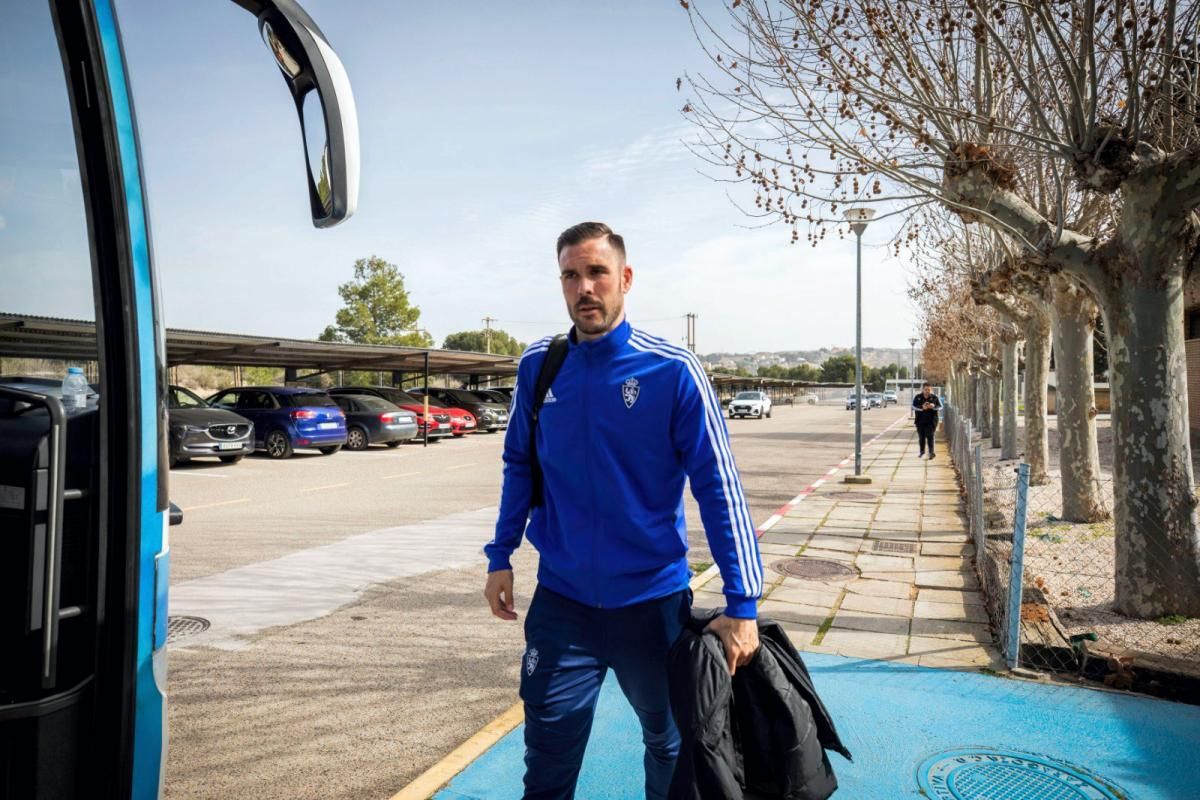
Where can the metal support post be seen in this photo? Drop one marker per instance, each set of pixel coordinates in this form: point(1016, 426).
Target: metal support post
point(1012, 639)
point(858, 393)
point(977, 497)
point(425, 400)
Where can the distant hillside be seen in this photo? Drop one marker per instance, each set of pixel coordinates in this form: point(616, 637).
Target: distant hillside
point(872, 357)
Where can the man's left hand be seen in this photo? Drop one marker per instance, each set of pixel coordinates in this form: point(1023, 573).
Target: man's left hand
point(740, 638)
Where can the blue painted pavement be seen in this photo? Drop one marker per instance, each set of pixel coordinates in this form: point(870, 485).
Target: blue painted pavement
point(896, 718)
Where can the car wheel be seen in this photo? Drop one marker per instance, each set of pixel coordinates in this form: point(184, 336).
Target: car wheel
point(356, 439)
point(328, 451)
point(278, 445)
point(394, 444)
point(172, 461)
point(768, 413)
point(230, 459)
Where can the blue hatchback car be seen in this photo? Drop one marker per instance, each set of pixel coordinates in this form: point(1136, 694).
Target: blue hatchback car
point(287, 417)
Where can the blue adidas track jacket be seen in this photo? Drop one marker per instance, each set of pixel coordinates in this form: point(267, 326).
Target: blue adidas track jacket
point(628, 417)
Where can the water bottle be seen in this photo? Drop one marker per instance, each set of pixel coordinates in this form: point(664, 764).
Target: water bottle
point(74, 389)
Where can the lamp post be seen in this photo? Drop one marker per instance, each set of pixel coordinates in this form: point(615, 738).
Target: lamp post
point(912, 369)
point(858, 218)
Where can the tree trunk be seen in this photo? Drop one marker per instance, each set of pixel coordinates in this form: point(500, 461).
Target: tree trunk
point(985, 406)
point(980, 401)
point(1158, 549)
point(1037, 367)
point(996, 426)
point(1074, 315)
point(1008, 442)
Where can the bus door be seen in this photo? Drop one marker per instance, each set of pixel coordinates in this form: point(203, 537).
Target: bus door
point(84, 550)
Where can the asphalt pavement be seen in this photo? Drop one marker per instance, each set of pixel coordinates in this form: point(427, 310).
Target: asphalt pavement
point(350, 646)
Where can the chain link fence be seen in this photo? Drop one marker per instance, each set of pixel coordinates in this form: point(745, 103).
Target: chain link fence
point(1049, 583)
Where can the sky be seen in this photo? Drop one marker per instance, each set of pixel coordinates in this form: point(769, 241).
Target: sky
point(485, 130)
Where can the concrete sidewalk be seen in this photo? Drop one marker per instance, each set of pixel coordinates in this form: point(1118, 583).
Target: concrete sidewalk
point(910, 593)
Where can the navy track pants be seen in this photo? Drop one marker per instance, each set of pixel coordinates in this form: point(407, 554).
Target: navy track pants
point(569, 648)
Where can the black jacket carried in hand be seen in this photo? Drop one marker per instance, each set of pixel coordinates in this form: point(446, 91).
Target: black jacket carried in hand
point(759, 734)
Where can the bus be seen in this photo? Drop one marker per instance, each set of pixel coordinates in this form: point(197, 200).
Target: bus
point(84, 553)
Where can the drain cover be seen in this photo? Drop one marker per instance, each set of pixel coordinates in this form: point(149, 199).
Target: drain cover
point(986, 774)
point(894, 547)
point(814, 569)
point(853, 496)
point(179, 627)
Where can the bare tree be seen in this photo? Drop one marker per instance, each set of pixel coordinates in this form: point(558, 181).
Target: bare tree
point(912, 102)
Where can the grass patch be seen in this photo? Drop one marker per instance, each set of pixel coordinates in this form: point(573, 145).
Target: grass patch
point(1172, 619)
point(699, 566)
point(824, 629)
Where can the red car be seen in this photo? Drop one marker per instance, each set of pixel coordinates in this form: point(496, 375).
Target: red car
point(441, 423)
point(462, 421)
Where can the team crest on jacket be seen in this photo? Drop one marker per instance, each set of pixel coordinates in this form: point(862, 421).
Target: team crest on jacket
point(630, 391)
point(531, 659)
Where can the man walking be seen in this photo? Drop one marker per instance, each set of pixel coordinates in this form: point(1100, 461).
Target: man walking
point(627, 418)
point(925, 411)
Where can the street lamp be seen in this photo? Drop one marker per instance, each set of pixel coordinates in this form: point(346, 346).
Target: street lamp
point(858, 218)
point(912, 369)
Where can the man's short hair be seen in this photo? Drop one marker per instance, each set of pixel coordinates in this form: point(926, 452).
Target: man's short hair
point(926, 385)
point(589, 230)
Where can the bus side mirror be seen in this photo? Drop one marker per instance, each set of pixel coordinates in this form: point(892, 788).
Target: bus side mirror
point(176, 515)
point(321, 90)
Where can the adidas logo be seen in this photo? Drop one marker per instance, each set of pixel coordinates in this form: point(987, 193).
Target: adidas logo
point(550, 398)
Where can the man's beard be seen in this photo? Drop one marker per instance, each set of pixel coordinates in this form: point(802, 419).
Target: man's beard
point(593, 327)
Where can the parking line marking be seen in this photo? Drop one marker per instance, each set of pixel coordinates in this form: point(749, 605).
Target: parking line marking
point(462, 466)
point(327, 486)
point(400, 475)
point(214, 505)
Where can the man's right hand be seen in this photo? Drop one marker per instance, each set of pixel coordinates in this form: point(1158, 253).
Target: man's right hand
point(499, 593)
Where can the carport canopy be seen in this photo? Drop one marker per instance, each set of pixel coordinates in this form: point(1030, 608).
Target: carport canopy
point(25, 336)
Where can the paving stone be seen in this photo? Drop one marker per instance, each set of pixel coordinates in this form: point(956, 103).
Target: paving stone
point(946, 579)
point(879, 561)
point(879, 623)
point(939, 563)
point(800, 635)
point(830, 555)
point(844, 543)
point(947, 549)
point(928, 609)
point(823, 597)
point(951, 596)
point(893, 534)
point(842, 533)
point(906, 577)
point(872, 588)
point(867, 644)
point(776, 549)
point(889, 606)
point(945, 538)
point(793, 612)
point(776, 537)
point(952, 629)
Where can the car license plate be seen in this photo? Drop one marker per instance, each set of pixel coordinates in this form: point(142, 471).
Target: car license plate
point(229, 446)
point(326, 425)
point(469, 425)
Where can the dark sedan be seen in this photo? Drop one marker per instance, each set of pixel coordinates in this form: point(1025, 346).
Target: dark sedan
point(490, 416)
point(373, 420)
point(197, 429)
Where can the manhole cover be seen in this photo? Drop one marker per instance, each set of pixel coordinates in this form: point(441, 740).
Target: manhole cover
point(814, 569)
point(985, 774)
point(179, 627)
point(894, 547)
point(858, 497)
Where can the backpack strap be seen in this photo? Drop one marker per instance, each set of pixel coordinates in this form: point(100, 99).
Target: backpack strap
point(551, 364)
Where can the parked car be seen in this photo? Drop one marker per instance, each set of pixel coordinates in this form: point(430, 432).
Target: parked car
point(196, 429)
point(851, 400)
point(490, 415)
point(750, 404)
point(507, 391)
point(875, 399)
point(889, 398)
point(495, 396)
point(439, 424)
point(287, 417)
point(462, 421)
point(373, 420)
